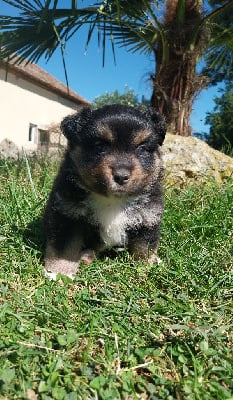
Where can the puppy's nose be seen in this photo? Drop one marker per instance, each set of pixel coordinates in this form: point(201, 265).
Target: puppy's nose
point(121, 176)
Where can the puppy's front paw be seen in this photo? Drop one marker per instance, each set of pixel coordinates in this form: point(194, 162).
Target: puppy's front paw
point(53, 275)
point(55, 266)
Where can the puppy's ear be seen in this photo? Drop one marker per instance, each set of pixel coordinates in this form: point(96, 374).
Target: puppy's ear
point(159, 123)
point(72, 125)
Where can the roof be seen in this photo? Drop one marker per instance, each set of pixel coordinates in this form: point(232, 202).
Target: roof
point(34, 74)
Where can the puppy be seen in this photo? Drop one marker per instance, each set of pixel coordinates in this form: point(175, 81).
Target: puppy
point(108, 192)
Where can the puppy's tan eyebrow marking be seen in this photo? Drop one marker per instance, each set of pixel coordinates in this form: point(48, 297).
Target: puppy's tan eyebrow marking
point(141, 136)
point(106, 132)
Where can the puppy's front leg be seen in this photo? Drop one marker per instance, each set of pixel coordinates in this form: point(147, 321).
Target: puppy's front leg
point(65, 261)
point(143, 244)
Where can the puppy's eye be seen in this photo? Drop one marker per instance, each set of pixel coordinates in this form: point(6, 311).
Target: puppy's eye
point(97, 143)
point(142, 149)
point(101, 146)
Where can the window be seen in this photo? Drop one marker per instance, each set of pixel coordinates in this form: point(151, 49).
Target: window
point(43, 136)
point(32, 133)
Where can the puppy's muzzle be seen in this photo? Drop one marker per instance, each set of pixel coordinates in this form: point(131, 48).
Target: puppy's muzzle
point(121, 169)
point(121, 175)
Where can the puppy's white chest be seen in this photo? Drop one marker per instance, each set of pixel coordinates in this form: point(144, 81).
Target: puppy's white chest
point(109, 213)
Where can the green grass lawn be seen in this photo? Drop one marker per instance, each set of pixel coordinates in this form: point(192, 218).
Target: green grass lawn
point(120, 330)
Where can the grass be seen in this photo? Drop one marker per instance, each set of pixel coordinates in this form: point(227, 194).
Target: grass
point(120, 330)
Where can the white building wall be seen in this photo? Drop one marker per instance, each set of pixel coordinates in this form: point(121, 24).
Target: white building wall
point(23, 103)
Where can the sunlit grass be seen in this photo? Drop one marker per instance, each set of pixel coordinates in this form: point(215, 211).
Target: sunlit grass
point(120, 330)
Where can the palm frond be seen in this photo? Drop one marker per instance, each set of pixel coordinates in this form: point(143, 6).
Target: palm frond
point(29, 38)
point(134, 25)
point(219, 55)
point(41, 28)
point(25, 5)
point(134, 36)
point(38, 32)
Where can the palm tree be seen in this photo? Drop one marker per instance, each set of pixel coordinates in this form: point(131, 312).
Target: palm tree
point(177, 32)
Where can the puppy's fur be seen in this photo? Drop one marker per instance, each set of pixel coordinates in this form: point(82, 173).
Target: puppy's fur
point(108, 191)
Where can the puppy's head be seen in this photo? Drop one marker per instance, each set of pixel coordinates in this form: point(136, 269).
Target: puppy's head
point(115, 149)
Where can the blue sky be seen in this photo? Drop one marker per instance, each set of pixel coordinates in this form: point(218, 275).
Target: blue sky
point(87, 76)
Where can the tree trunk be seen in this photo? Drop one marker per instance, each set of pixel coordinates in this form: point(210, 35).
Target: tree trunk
point(175, 82)
point(174, 88)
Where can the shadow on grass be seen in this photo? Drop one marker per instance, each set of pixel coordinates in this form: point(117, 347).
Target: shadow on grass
point(33, 236)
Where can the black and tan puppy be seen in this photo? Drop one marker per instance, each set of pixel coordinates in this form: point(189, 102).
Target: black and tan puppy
point(108, 191)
